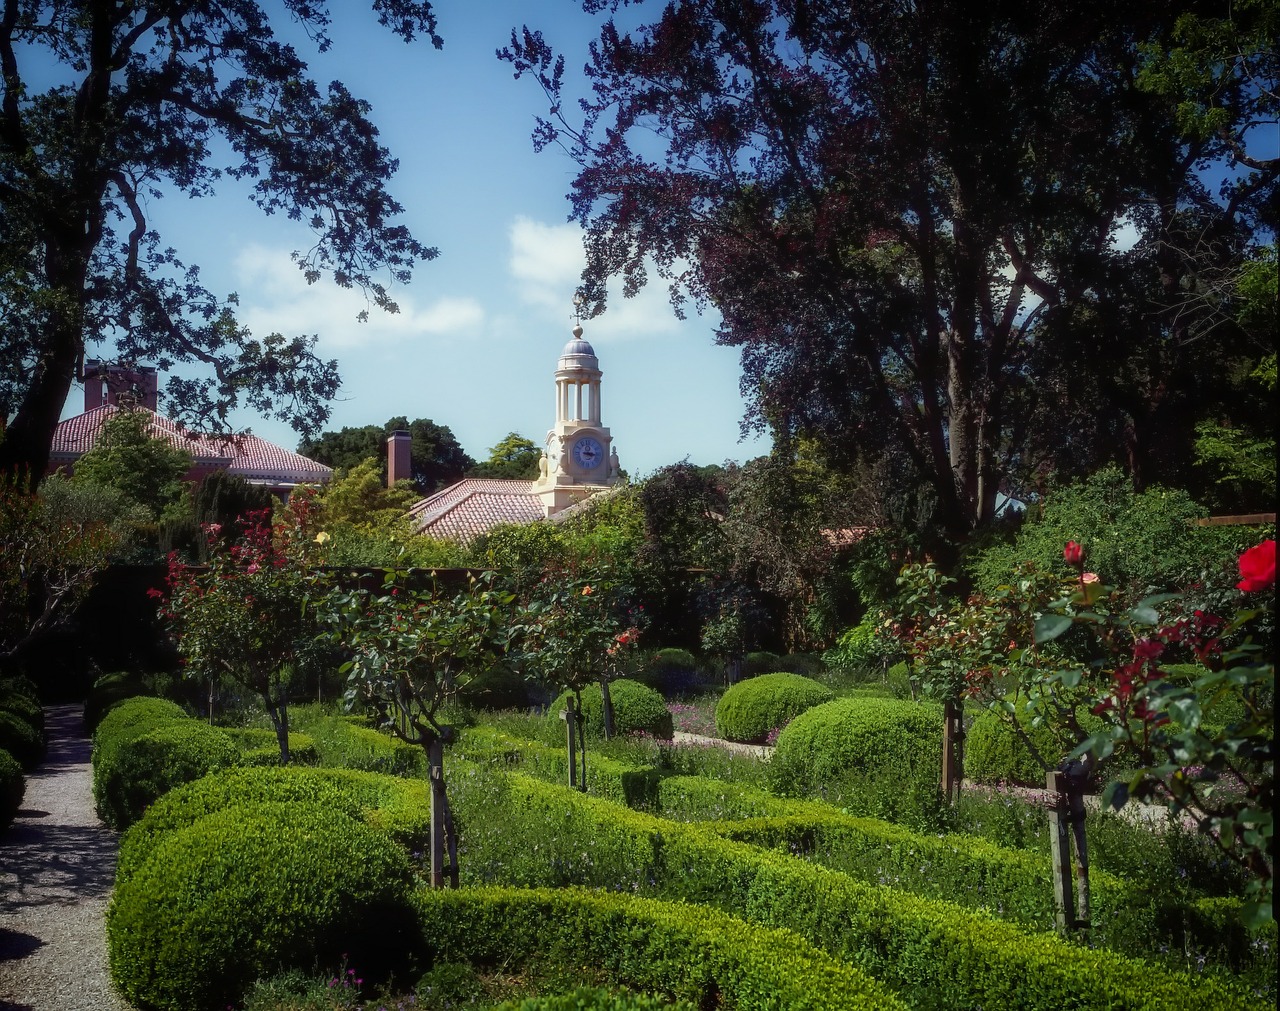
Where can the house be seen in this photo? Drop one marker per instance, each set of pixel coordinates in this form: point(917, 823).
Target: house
point(109, 389)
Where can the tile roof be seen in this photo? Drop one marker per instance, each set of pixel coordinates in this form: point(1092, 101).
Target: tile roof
point(249, 456)
point(467, 509)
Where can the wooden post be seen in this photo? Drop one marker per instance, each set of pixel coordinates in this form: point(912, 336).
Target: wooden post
point(435, 765)
point(607, 703)
point(952, 750)
point(570, 716)
point(1060, 849)
point(1076, 784)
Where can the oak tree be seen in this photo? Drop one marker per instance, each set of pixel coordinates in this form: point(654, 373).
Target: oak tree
point(109, 104)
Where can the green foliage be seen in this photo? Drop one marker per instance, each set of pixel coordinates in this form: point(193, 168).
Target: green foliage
point(12, 788)
point(860, 648)
point(932, 953)
point(760, 662)
point(21, 738)
point(254, 889)
point(142, 465)
point(671, 671)
point(522, 551)
point(85, 504)
point(358, 499)
point(341, 744)
point(435, 457)
point(885, 739)
point(1136, 541)
point(109, 691)
point(636, 708)
point(513, 458)
point(381, 549)
point(699, 955)
point(260, 747)
point(749, 710)
point(1238, 459)
point(147, 762)
point(591, 998)
point(995, 752)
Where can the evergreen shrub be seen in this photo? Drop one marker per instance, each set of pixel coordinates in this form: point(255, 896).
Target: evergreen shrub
point(760, 662)
point(860, 738)
point(671, 671)
point(398, 808)
point(591, 998)
point(351, 744)
point(12, 788)
point(18, 695)
point(749, 710)
point(253, 890)
point(635, 708)
point(151, 764)
point(108, 691)
point(697, 953)
point(934, 954)
point(262, 747)
point(21, 738)
point(994, 751)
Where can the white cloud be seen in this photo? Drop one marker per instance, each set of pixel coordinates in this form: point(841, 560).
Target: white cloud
point(275, 297)
point(546, 262)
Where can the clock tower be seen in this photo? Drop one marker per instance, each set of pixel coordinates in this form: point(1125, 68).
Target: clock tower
point(578, 457)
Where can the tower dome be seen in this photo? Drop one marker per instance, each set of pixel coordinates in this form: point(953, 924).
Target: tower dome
point(578, 353)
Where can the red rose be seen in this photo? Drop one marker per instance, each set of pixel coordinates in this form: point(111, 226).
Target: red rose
point(1258, 567)
point(1073, 553)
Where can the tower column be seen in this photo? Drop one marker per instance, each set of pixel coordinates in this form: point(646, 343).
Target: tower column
point(578, 393)
point(595, 401)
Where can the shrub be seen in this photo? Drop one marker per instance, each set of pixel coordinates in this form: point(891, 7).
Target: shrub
point(635, 708)
point(858, 648)
point(933, 953)
point(750, 709)
point(109, 691)
point(18, 696)
point(346, 744)
point(995, 752)
point(12, 788)
point(699, 954)
point(861, 737)
point(21, 738)
point(398, 808)
point(260, 747)
point(252, 890)
point(591, 998)
point(760, 662)
point(670, 671)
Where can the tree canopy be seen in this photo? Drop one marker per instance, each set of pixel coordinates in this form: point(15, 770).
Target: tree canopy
point(435, 458)
point(513, 457)
point(910, 216)
point(155, 97)
point(131, 458)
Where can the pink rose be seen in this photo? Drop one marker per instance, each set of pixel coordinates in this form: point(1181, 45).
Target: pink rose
point(1088, 577)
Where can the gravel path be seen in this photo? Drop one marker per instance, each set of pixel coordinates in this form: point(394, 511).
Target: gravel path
point(57, 864)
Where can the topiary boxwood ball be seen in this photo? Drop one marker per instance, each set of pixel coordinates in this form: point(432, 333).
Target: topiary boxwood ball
point(254, 890)
point(994, 752)
point(138, 771)
point(22, 739)
point(635, 707)
point(749, 710)
point(859, 737)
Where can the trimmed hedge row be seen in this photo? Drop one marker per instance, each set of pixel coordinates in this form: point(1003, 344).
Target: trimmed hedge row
point(994, 752)
point(592, 998)
point(749, 710)
point(252, 890)
point(398, 808)
point(934, 953)
point(343, 742)
point(22, 742)
point(261, 747)
point(636, 707)
point(699, 954)
point(143, 748)
point(107, 693)
point(632, 785)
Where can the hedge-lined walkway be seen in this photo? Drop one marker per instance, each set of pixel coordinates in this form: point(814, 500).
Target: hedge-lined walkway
point(57, 864)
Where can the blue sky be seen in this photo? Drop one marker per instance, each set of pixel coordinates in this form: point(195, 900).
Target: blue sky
point(480, 328)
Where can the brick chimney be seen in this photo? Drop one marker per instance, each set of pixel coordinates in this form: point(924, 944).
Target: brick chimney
point(399, 467)
point(106, 384)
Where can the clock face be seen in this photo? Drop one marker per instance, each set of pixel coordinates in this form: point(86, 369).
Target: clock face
point(587, 452)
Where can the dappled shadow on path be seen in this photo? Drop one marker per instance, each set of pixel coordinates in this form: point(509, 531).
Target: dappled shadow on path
point(43, 865)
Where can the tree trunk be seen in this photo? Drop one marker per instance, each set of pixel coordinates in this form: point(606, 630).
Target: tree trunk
point(569, 715)
point(439, 809)
point(279, 713)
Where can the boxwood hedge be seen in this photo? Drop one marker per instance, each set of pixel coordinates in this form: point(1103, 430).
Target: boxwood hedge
point(898, 741)
point(346, 742)
point(936, 954)
point(21, 737)
point(635, 708)
point(750, 709)
point(253, 890)
point(697, 954)
point(261, 747)
point(594, 998)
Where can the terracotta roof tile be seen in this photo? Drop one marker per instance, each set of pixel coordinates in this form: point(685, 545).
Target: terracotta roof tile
point(467, 509)
point(252, 458)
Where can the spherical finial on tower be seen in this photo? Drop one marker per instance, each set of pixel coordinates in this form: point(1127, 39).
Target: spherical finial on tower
point(577, 331)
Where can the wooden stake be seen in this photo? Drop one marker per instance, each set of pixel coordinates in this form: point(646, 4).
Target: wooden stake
point(569, 715)
point(952, 750)
point(1060, 849)
point(435, 764)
